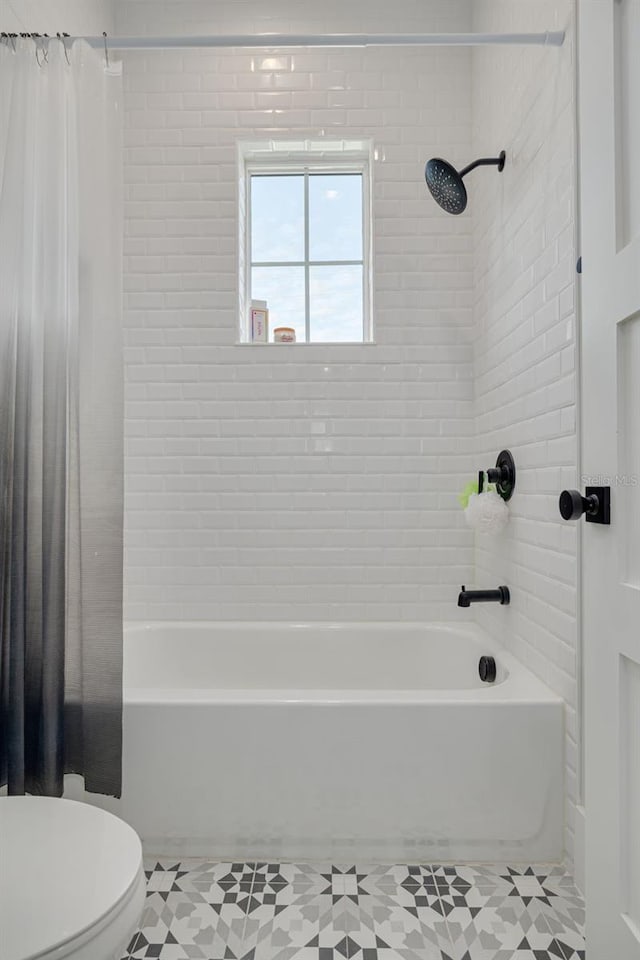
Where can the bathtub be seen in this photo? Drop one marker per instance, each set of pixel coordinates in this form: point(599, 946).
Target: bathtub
point(344, 742)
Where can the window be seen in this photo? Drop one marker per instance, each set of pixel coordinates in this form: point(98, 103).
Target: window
point(306, 239)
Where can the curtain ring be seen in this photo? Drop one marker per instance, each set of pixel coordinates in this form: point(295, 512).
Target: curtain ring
point(63, 40)
point(106, 49)
point(39, 41)
point(34, 37)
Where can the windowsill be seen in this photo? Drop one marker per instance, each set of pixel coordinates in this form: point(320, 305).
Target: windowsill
point(304, 343)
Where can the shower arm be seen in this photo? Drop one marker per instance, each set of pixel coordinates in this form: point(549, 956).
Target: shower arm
point(485, 162)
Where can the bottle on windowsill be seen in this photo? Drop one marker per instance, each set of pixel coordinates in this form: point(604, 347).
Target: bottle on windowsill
point(259, 321)
point(284, 335)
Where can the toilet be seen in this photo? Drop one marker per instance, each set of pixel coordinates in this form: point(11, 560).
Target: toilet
point(72, 884)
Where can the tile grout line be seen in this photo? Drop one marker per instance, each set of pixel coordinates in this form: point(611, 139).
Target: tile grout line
point(444, 916)
point(247, 917)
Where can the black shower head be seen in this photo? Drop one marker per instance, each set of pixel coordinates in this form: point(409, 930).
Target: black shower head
point(445, 182)
point(446, 186)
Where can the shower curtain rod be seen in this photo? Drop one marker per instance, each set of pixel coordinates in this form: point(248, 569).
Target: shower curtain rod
point(269, 40)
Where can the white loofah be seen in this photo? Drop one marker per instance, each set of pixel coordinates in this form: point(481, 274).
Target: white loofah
point(487, 512)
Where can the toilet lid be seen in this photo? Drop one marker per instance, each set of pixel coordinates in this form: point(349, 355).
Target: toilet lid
point(63, 867)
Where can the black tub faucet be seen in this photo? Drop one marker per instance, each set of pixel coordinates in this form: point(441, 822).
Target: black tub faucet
point(467, 597)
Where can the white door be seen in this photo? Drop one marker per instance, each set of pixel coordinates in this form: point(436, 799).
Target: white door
point(609, 91)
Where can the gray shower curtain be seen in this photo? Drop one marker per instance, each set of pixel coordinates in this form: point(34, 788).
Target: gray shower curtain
point(61, 420)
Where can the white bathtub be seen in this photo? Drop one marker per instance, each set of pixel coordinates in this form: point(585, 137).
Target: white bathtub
point(337, 742)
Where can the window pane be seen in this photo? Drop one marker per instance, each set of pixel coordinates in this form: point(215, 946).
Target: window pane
point(335, 217)
point(336, 303)
point(283, 289)
point(277, 218)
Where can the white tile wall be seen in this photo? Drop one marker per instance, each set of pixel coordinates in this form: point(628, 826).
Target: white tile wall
point(525, 346)
point(143, 17)
point(85, 17)
point(303, 482)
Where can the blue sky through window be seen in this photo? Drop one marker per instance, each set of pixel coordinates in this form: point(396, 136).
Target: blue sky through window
point(284, 271)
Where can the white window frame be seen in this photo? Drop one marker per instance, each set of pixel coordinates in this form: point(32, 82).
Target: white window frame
point(305, 158)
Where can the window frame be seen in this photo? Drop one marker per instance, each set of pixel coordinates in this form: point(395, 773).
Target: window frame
point(269, 161)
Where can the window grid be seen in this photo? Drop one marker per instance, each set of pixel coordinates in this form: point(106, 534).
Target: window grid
point(305, 172)
point(307, 293)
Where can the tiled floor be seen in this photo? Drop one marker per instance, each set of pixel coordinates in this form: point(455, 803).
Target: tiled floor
point(280, 911)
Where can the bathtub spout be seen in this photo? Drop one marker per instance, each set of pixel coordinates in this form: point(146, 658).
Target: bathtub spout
point(467, 597)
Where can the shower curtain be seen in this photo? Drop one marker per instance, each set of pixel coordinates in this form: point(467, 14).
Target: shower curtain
point(61, 419)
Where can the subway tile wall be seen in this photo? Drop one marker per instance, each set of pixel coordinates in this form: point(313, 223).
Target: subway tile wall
point(170, 17)
point(305, 482)
point(525, 342)
point(84, 17)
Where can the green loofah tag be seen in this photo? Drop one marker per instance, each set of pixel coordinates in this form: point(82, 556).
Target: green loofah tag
point(463, 499)
point(472, 487)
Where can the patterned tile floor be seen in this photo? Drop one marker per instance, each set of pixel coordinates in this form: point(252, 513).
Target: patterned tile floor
point(205, 910)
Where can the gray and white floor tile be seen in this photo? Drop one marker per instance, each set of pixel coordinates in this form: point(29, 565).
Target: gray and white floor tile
point(204, 910)
point(499, 913)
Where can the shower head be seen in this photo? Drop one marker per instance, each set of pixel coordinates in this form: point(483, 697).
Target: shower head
point(445, 182)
